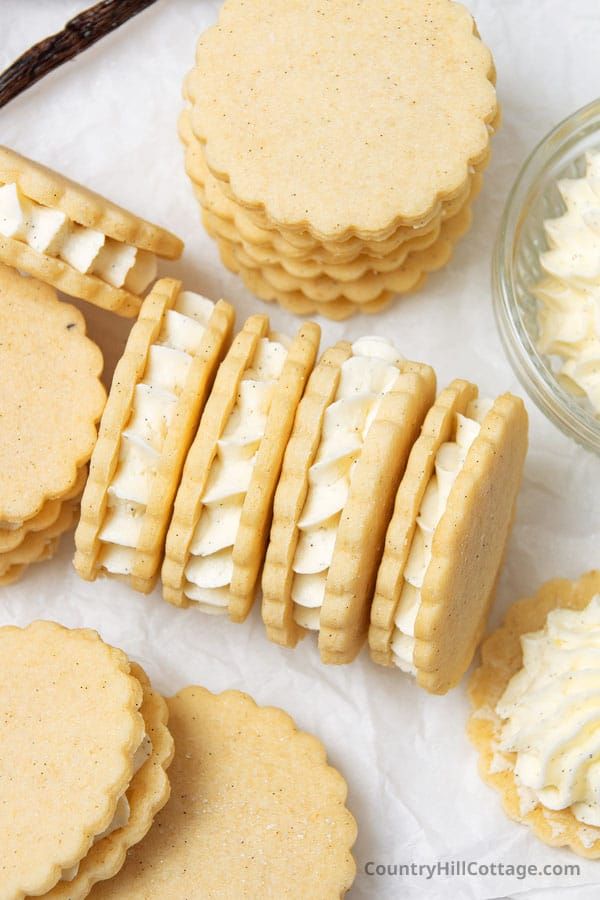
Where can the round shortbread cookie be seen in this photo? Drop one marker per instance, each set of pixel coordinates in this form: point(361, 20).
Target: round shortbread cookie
point(51, 396)
point(68, 755)
point(501, 658)
point(311, 156)
point(255, 810)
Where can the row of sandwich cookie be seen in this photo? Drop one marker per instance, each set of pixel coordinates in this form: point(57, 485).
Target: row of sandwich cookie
point(75, 240)
point(51, 398)
point(345, 484)
point(112, 791)
point(336, 213)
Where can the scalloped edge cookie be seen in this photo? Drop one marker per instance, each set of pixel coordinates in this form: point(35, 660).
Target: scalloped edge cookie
point(501, 658)
point(361, 530)
point(258, 179)
point(437, 429)
point(130, 370)
point(37, 328)
point(247, 225)
point(11, 538)
point(467, 550)
point(67, 659)
point(246, 785)
point(252, 535)
point(88, 209)
point(147, 794)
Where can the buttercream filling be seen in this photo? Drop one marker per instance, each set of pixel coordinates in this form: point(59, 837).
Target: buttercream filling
point(88, 251)
point(142, 441)
point(449, 462)
point(365, 377)
point(209, 570)
point(122, 812)
point(569, 298)
point(551, 715)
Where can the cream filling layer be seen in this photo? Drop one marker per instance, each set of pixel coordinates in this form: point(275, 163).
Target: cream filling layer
point(142, 441)
point(366, 376)
point(209, 570)
point(551, 713)
point(569, 299)
point(122, 812)
point(88, 251)
point(449, 462)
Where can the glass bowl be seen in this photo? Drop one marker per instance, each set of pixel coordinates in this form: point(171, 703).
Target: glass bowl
point(516, 268)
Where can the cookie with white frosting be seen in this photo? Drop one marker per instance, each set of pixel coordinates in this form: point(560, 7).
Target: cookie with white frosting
point(76, 240)
point(255, 811)
point(218, 534)
point(355, 426)
point(157, 396)
point(446, 540)
point(536, 713)
point(83, 763)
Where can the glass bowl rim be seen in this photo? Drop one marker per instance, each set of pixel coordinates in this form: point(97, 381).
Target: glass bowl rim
point(553, 400)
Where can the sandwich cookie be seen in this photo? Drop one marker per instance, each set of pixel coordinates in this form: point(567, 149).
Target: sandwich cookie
point(536, 713)
point(218, 534)
point(157, 395)
point(51, 397)
point(355, 426)
point(82, 763)
point(446, 540)
point(255, 810)
point(75, 240)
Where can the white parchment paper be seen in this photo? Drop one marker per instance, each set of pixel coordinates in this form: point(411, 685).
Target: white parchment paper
point(109, 119)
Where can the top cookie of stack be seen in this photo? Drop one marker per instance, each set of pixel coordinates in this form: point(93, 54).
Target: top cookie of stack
point(335, 148)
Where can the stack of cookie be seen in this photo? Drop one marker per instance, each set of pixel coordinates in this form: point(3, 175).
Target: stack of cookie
point(336, 173)
point(89, 741)
point(50, 400)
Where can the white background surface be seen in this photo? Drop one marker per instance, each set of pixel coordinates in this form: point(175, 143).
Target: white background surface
point(109, 119)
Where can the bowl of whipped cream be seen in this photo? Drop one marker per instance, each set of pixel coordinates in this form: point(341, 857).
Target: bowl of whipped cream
point(546, 276)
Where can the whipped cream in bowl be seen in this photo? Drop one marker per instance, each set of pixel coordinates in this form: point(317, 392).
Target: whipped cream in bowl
point(546, 276)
